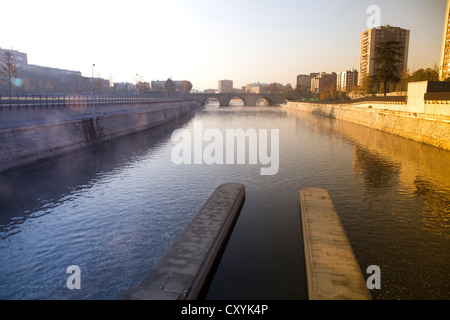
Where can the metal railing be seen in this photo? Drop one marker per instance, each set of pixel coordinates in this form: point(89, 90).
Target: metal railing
point(74, 101)
point(382, 100)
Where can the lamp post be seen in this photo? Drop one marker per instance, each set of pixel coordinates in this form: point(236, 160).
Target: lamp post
point(93, 65)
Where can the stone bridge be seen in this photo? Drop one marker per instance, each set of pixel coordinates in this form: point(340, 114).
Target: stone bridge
point(249, 99)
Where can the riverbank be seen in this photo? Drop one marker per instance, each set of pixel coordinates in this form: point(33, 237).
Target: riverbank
point(429, 129)
point(423, 116)
point(23, 142)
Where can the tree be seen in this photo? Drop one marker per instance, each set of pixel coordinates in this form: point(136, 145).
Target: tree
point(8, 70)
point(169, 86)
point(187, 86)
point(143, 87)
point(273, 87)
point(387, 59)
point(425, 75)
point(288, 89)
point(368, 85)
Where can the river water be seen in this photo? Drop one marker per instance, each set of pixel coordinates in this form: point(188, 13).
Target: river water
point(114, 209)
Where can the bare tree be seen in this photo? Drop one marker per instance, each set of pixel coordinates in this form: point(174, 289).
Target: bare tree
point(8, 69)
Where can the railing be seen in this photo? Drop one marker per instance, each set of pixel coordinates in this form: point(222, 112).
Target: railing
point(385, 100)
point(73, 101)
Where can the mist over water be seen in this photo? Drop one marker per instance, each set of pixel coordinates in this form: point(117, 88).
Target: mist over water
point(115, 208)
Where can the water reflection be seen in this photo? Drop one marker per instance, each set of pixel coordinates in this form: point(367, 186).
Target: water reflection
point(436, 207)
point(31, 187)
point(399, 217)
point(379, 174)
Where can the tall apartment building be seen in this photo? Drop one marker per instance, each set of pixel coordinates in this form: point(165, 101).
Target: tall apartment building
point(371, 38)
point(444, 70)
point(225, 86)
point(347, 80)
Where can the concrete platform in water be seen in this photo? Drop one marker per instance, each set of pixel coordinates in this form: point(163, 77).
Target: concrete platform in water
point(183, 270)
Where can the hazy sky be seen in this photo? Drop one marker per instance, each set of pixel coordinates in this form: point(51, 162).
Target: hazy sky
point(209, 40)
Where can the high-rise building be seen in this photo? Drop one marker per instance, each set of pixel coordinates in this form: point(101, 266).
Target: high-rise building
point(347, 80)
point(444, 70)
point(371, 38)
point(225, 86)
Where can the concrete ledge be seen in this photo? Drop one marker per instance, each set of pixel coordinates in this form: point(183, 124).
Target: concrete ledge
point(332, 271)
point(183, 269)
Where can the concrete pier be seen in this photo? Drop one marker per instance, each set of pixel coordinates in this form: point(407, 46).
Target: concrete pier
point(181, 272)
point(332, 271)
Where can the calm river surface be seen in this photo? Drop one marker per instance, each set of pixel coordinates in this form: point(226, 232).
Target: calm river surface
point(114, 209)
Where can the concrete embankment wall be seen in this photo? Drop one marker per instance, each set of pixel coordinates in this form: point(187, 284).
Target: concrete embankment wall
point(27, 141)
point(426, 128)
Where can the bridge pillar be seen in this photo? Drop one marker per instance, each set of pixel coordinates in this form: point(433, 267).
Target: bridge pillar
point(224, 100)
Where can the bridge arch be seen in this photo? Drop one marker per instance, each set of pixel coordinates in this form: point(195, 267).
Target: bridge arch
point(264, 101)
point(237, 101)
point(250, 99)
point(210, 100)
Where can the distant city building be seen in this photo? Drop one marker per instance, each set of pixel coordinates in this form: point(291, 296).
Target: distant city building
point(52, 71)
point(347, 80)
point(210, 91)
point(257, 87)
point(444, 70)
point(323, 81)
point(158, 86)
point(124, 87)
point(20, 57)
point(240, 90)
point(225, 86)
point(304, 80)
point(371, 38)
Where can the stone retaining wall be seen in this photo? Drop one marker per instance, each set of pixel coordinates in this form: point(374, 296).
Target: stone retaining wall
point(430, 129)
point(38, 140)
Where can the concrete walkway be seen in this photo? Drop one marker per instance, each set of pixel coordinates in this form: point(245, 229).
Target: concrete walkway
point(332, 271)
point(183, 269)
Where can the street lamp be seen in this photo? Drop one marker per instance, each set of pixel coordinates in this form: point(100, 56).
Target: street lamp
point(135, 83)
point(93, 65)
